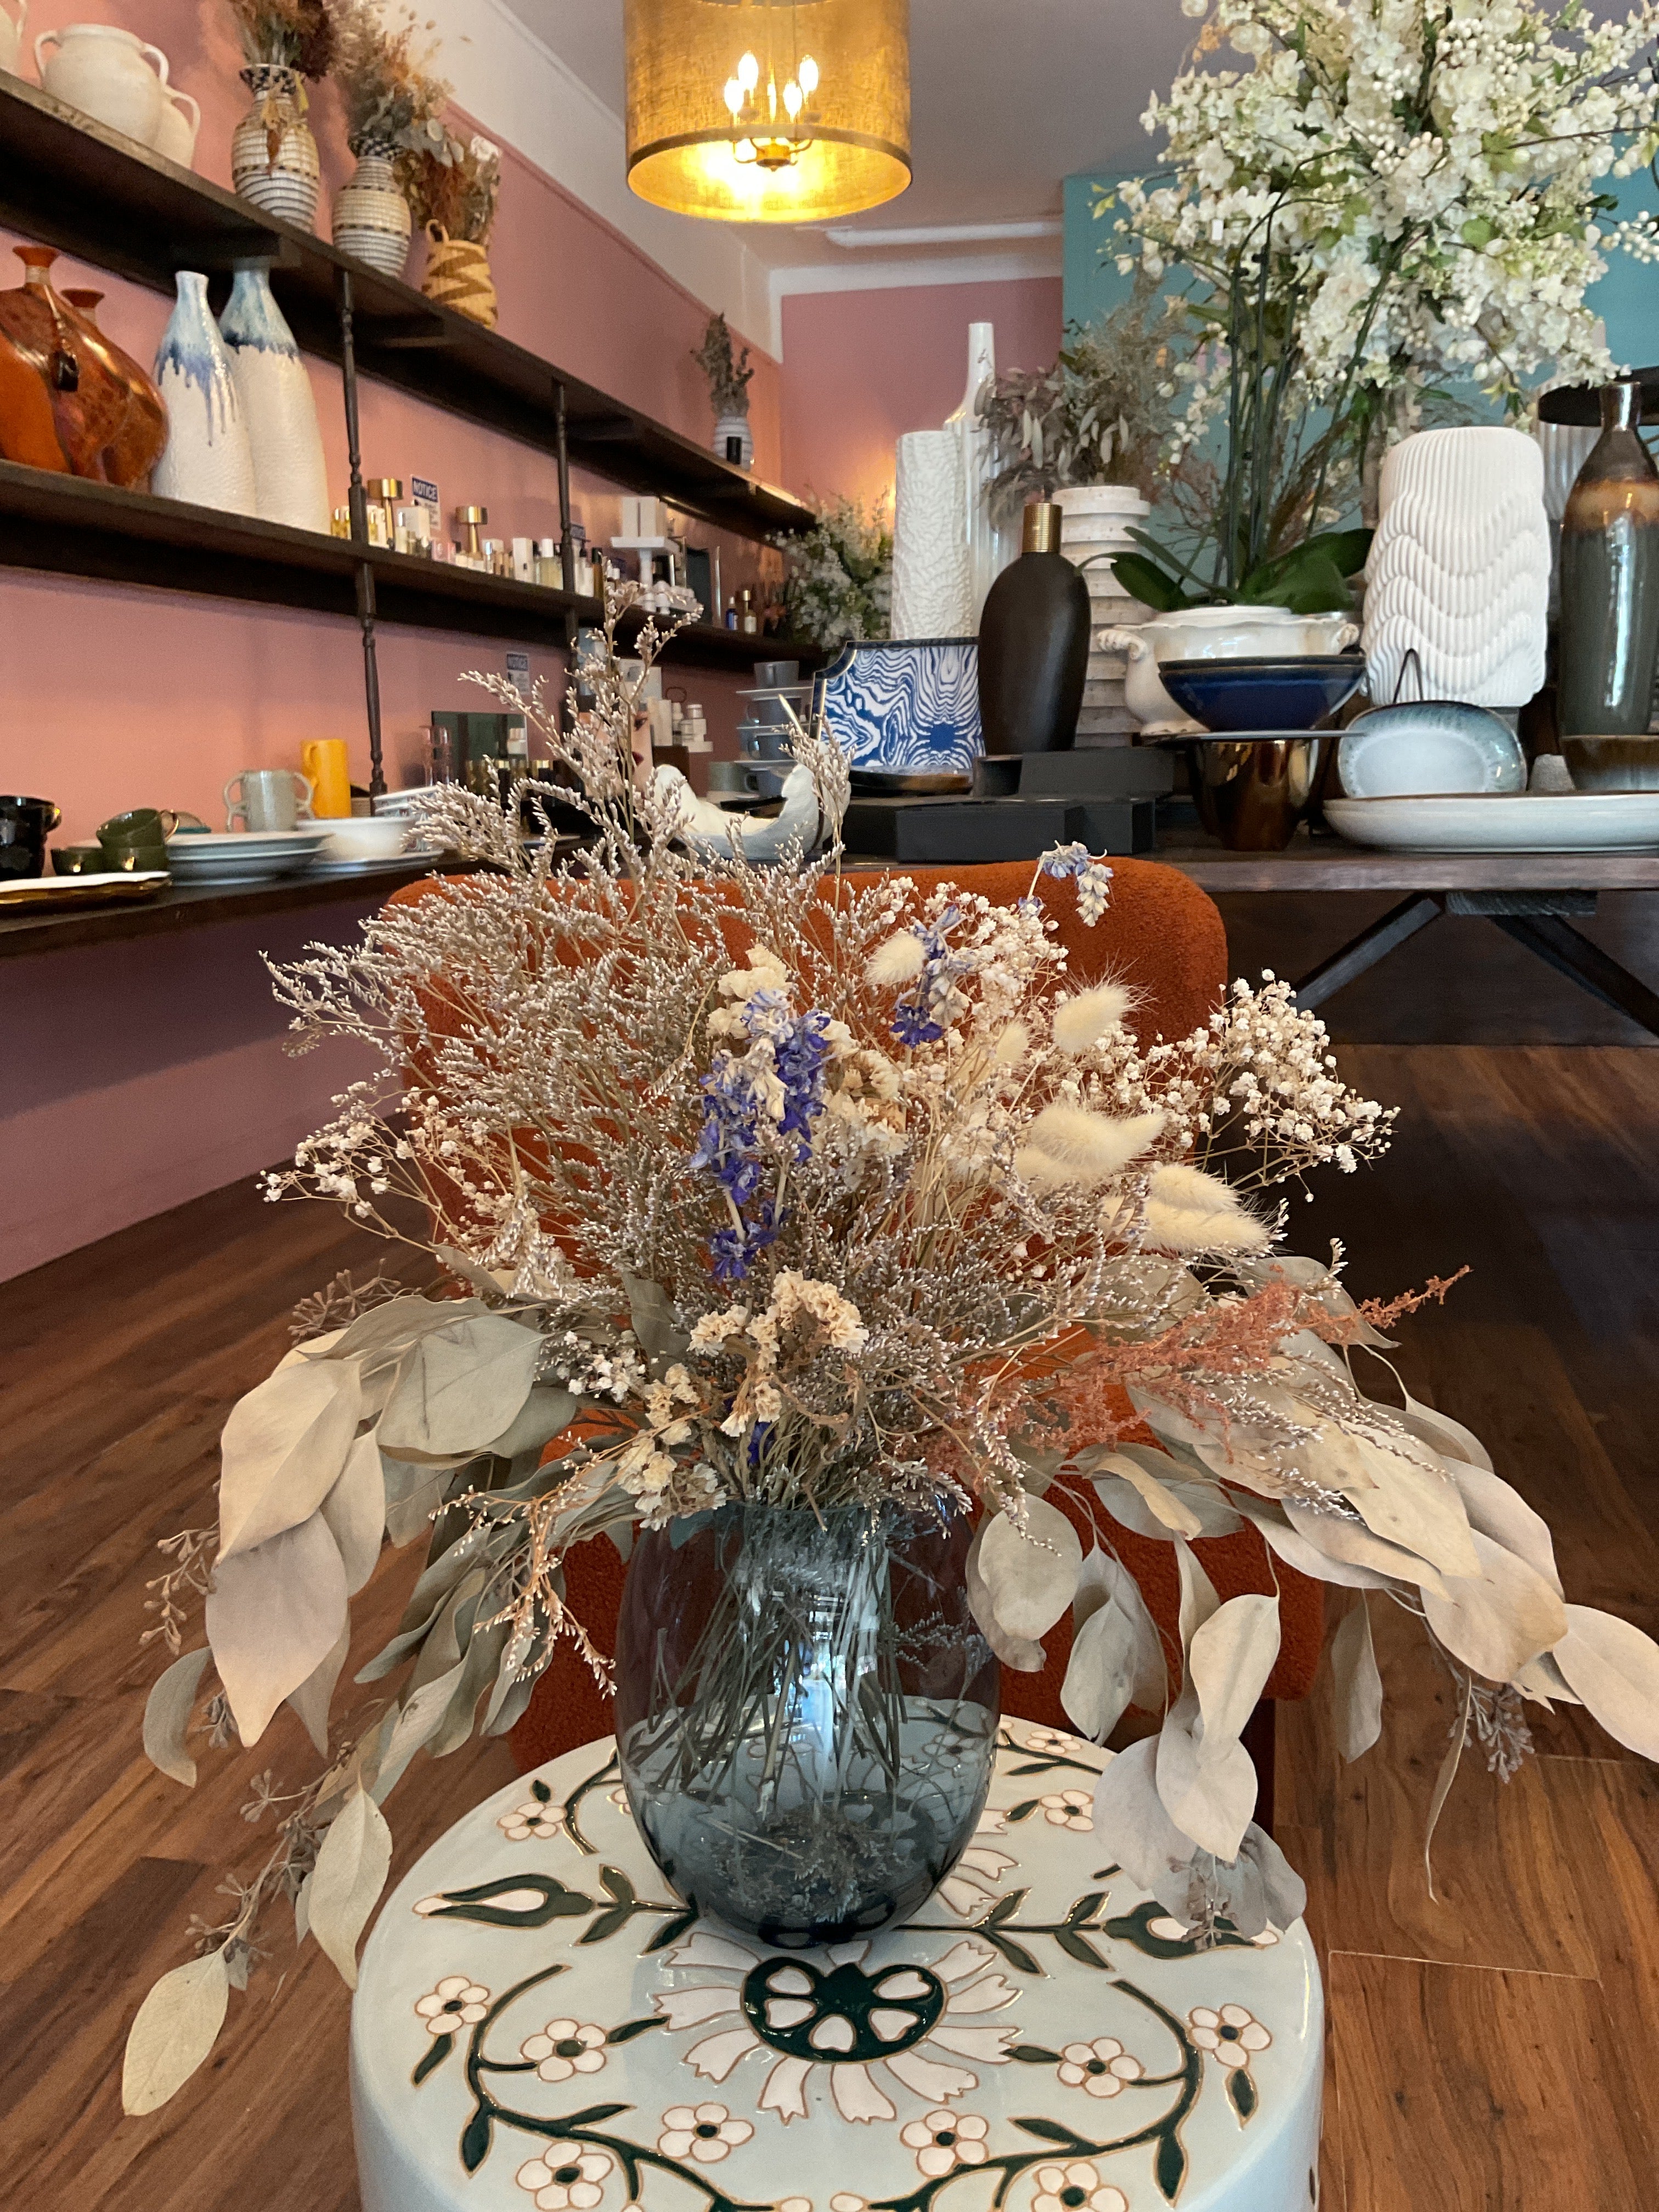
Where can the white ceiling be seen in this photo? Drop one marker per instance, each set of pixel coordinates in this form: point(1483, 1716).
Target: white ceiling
point(1007, 97)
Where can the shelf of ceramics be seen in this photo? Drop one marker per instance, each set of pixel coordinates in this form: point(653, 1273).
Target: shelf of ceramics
point(68, 527)
point(72, 184)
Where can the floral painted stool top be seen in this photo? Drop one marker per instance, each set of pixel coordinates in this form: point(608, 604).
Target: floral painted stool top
point(541, 2023)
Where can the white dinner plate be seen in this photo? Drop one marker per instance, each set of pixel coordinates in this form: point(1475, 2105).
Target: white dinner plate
point(1492, 822)
point(247, 843)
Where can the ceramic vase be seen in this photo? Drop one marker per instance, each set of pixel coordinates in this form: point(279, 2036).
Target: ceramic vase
point(990, 546)
point(1609, 629)
point(135, 444)
point(458, 276)
point(111, 75)
point(290, 479)
point(175, 134)
point(273, 155)
point(11, 36)
point(932, 583)
point(728, 428)
point(1094, 531)
point(1460, 569)
point(1034, 645)
point(208, 459)
point(371, 215)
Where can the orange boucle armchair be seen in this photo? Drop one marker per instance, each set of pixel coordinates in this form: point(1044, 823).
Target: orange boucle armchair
point(1164, 937)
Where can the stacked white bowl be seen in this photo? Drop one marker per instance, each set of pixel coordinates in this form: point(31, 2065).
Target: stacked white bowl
point(1097, 520)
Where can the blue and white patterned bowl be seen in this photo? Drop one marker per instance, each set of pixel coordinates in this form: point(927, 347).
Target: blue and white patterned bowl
point(909, 705)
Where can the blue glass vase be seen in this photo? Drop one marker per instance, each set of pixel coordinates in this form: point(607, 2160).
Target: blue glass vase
point(807, 1712)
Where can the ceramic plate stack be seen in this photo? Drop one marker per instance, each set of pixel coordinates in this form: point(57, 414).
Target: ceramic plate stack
point(243, 856)
point(1094, 531)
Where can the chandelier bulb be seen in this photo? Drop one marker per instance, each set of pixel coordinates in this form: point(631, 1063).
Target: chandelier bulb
point(792, 99)
point(734, 97)
point(809, 75)
point(749, 72)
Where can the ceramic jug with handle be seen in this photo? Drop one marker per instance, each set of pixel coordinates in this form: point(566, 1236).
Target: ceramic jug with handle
point(11, 35)
point(105, 72)
point(175, 134)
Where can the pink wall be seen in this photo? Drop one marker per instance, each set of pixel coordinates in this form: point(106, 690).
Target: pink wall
point(135, 1077)
point(862, 366)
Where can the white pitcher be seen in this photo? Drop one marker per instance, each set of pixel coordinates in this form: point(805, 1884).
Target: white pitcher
point(11, 35)
point(105, 72)
point(175, 135)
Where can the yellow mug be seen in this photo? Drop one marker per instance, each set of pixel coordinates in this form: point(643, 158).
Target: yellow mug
point(323, 760)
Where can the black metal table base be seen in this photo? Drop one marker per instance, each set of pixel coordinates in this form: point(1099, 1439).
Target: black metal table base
point(1537, 920)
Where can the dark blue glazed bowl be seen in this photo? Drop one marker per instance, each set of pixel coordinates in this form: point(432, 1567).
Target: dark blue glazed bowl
point(1263, 694)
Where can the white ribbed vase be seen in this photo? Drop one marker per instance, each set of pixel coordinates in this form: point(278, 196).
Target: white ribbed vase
point(932, 580)
point(371, 215)
point(1460, 569)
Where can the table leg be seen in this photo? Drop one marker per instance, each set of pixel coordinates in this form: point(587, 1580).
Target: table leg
point(1363, 952)
point(1571, 955)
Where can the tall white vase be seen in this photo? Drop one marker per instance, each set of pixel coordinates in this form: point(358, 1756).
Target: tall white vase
point(932, 584)
point(990, 548)
point(289, 477)
point(1460, 569)
point(207, 458)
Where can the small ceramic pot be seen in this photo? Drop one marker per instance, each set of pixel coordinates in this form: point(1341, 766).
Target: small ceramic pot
point(273, 155)
point(458, 276)
point(175, 134)
point(735, 426)
point(107, 73)
point(371, 215)
point(11, 36)
point(1143, 694)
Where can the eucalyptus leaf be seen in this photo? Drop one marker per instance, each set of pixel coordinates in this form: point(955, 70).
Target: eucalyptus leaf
point(653, 1320)
point(167, 1715)
point(1232, 1655)
point(273, 1616)
point(1100, 1674)
point(354, 1509)
point(1199, 1600)
point(419, 1720)
point(1614, 1670)
point(1357, 1685)
point(547, 1413)
point(1166, 1508)
point(1210, 1798)
point(1030, 1573)
point(459, 1386)
point(283, 1450)
point(315, 1695)
point(176, 2026)
point(346, 1885)
point(1495, 1621)
point(1021, 1653)
point(394, 1326)
point(1497, 1510)
point(1290, 1545)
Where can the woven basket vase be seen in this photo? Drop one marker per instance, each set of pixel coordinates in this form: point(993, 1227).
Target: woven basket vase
point(458, 276)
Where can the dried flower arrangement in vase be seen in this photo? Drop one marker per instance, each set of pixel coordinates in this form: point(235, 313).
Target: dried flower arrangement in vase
point(729, 379)
point(453, 185)
point(812, 1229)
point(392, 100)
point(273, 155)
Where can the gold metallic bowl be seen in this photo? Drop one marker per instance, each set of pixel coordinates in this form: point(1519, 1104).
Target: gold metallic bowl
point(1612, 763)
point(1253, 791)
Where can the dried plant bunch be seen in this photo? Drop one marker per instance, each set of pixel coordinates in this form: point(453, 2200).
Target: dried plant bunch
point(296, 34)
point(384, 65)
point(770, 1183)
point(728, 375)
point(452, 184)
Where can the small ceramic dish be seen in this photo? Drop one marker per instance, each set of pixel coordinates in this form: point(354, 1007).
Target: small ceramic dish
point(1263, 692)
point(1434, 748)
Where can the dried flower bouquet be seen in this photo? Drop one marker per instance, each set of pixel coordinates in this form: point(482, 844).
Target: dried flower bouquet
point(773, 1184)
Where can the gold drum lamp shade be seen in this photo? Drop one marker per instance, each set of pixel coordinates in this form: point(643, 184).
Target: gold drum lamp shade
point(768, 110)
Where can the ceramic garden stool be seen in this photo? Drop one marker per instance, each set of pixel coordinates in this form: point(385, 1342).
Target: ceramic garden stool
point(540, 2022)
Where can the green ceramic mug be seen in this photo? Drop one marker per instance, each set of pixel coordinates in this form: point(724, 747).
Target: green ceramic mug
point(136, 840)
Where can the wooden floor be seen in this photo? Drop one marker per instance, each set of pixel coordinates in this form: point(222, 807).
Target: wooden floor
point(1498, 2049)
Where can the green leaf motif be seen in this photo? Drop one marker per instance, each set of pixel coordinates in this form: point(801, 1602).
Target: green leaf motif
point(631, 2029)
point(1170, 2167)
point(615, 1884)
point(672, 1931)
point(558, 1903)
point(1015, 1953)
point(608, 1924)
point(1022, 1811)
point(437, 2052)
point(1086, 1908)
point(542, 1794)
point(1033, 2054)
point(1077, 1946)
point(1053, 2132)
point(475, 2141)
point(1134, 1929)
point(1242, 2091)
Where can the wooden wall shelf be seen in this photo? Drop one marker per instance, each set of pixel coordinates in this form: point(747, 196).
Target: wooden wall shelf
point(67, 526)
point(70, 183)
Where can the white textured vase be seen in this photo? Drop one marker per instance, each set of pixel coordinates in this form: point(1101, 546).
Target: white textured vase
point(289, 477)
point(371, 215)
point(990, 546)
point(207, 460)
point(933, 580)
point(1460, 569)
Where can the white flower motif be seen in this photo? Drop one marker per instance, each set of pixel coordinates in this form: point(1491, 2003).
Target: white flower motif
point(533, 1820)
point(845, 2201)
point(1069, 1808)
point(926, 2014)
point(945, 2141)
point(455, 2004)
point(964, 1890)
point(704, 2132)
point(1054, 1743)
point(565, 2177)
point(1076, 2187)
point(1231, 2035)
point(565, 2047)
point(1101, 2066)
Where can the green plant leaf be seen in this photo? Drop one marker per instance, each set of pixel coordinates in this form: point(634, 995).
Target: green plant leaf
point(1144, 580)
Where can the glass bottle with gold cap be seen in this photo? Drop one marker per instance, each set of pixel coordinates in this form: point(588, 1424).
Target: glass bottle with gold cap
point(1034, 644)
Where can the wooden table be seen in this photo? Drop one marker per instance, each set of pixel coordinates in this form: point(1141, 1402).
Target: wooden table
point(1530, 897)
point(540, 2023)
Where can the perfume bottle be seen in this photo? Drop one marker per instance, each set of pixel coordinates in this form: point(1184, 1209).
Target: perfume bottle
point(750, 623)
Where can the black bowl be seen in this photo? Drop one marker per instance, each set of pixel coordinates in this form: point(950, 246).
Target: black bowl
point(1261, 693)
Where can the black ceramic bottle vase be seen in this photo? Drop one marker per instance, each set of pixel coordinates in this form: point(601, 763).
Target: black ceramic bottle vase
point(1034, 645)
point(1610, 578)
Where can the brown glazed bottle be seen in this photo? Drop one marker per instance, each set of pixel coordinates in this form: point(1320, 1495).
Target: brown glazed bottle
point(1609, 632)
point(1034, 645)
point(89, 402)
point(137, 441)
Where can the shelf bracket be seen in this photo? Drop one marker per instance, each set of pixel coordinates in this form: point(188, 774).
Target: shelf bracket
point(358, 500)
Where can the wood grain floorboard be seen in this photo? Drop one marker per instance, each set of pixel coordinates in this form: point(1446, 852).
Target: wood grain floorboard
point(1499, 2048)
